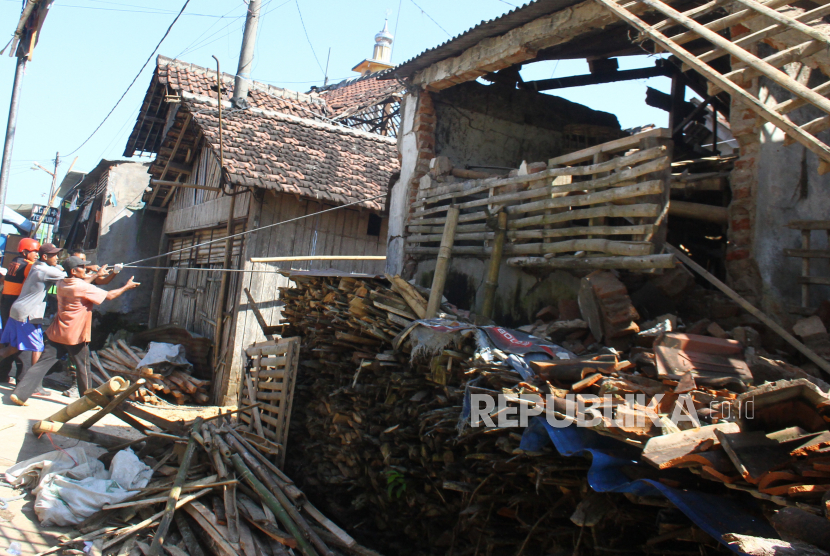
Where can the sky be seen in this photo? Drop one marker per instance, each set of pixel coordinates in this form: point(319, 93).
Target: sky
point(90, 51)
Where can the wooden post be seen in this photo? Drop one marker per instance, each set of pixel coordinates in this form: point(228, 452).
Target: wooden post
point(663, 199)
point(492, 283)
point(805, 269)
point(443, 263)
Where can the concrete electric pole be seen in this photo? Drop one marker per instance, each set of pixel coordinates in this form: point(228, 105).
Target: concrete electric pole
point(246, 55)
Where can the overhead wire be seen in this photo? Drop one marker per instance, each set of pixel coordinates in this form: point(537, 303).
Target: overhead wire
point(134, 79)
point(430, 17)
point(230, 237)
point(297, 2)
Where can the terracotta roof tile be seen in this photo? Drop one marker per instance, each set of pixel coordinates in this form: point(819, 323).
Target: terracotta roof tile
point(295, 155)
point(353, 95)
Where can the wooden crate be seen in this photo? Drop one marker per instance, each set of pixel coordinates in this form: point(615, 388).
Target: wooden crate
point(273, 374)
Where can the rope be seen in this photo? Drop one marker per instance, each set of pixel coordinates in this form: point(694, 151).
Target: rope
point(190, 248)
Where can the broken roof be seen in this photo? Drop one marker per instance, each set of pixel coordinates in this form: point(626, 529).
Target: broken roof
point(299, 156)
point(172, 77)
point(355, 95)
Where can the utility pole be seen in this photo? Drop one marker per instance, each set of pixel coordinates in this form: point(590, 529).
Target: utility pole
point(23, 42)
point(10, 129)
point(246, 55)
point(49, 198)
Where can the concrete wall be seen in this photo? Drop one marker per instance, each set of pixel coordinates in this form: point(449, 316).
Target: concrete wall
point(788, 188)
point(519, 296)
point(399, 199)
point(128, 236)
point(501, 126)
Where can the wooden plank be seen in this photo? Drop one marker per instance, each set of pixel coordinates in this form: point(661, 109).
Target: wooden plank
point(182, 133)
point(809, 224)
point(646, 262)
point(540, 234)
point(808, 253)
point(463, 189)
point(733, 89)
point(814, 280)
point(610, 147)
point(319, 258)
point(651, 187)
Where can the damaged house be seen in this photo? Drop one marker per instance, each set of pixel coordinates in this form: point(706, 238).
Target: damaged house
point(284, 157)
point(742, 197)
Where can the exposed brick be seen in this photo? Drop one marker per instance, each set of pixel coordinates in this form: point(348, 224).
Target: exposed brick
point(739, 224)
point(737, 254)
point(741, 192)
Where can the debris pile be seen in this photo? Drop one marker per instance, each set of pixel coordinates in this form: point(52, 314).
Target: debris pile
point(382, 435)
point(178, 385)
point(204, 487)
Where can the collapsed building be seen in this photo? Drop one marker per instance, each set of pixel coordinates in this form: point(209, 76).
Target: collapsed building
point(739, 214)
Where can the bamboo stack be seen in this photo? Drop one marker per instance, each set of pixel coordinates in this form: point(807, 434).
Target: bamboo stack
point(121, 359)
point(212, 493)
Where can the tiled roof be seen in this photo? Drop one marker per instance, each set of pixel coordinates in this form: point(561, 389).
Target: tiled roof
point(353, 95)
point(175, 77)
point(293, 155)
point(181, 76)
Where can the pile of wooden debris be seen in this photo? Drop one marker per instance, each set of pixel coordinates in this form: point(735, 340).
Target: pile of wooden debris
point(121, 359)
point(214, 490)
point(384, 444)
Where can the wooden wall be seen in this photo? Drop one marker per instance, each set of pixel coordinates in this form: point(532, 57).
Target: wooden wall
point(339, 232)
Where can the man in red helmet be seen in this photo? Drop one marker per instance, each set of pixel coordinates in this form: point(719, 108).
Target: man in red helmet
point(12, 285)
point(18, 271)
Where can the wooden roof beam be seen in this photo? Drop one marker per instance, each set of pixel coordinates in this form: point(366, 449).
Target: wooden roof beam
point(173, 154)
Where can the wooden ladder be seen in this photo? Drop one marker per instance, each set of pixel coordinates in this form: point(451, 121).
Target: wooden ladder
point(806, 253)
point(746, 65)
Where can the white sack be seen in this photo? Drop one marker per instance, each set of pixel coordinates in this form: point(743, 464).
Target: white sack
point(31, 472)
point(68, 492)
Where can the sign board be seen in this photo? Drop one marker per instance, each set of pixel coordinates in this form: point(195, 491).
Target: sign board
point(50, 218)
point(11, 249)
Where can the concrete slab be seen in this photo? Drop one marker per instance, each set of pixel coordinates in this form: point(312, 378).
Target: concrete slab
point(18, 522)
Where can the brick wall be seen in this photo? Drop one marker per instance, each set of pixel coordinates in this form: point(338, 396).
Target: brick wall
point(424, 128)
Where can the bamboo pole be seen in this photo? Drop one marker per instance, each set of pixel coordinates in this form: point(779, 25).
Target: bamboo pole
point(606, 181)
point(175, 492)
point(646, 262)
point(443, 262)
point(732, 294)
point(698, 211)
point(464, 189)
point(268, 480)
point(123, 395)
point(319, 258)
point(84, 404)
point(492, 283)
point(269, 500)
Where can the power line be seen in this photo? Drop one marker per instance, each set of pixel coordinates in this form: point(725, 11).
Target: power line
point(134, 79)
point(431, 18)
point(397, 20)
point(191, 247)
point(155, 12)
point(308, 39)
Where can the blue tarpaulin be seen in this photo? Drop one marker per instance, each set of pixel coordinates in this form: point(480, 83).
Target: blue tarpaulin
point(716, 515)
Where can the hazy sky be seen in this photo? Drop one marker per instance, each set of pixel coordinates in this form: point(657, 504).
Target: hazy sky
point(90, 51)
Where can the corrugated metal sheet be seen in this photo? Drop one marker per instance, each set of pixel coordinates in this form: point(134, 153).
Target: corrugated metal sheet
point(484, 30)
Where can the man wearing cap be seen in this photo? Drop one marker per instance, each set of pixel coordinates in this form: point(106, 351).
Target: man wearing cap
point(71, 330)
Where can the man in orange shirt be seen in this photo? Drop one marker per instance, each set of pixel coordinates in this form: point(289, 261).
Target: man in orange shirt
point(71, 330)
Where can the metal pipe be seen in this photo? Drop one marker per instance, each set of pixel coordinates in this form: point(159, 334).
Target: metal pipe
point(246, 55)
point(223, 284)
point(11, 126)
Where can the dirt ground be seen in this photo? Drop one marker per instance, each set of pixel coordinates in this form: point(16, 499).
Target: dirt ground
point(20, 531)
